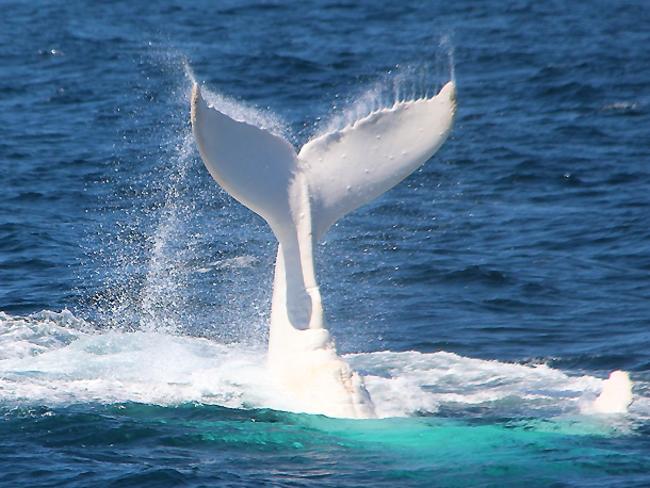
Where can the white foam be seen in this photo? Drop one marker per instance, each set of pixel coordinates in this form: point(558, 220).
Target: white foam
point(115, 366)
point(24, 337)
point(55, 358)
point(410, 382)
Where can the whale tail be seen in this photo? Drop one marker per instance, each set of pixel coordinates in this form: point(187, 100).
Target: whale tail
point(300, 195)
point(342, 169)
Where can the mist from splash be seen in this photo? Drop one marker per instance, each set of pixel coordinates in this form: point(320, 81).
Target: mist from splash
point(402, 83)
point(239, 110)
point(163, 303)
point(168, 262)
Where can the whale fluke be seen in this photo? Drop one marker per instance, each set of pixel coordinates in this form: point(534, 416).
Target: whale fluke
point(350, 167)
point(301, 195)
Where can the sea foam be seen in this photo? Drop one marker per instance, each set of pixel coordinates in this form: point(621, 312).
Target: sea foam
point(54, 359)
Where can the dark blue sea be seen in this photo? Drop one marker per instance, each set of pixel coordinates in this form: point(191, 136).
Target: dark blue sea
point(485, 298)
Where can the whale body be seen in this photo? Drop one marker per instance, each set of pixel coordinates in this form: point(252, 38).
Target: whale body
point(616, 395)
point(300, 195)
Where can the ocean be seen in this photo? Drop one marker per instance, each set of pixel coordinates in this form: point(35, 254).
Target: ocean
point(484, 299)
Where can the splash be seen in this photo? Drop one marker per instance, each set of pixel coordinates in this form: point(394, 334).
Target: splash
point(236, 109)
point(403, 83)
point(162, 301)
point(242, 112)
point(161, 264)
point(56, 358)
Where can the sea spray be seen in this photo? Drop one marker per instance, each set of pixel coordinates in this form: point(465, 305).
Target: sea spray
point(162, 264)
point(445, 58)
point(401, 83)
point(163, 299)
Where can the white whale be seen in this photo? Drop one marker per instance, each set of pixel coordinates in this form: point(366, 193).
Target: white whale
point(301, 195)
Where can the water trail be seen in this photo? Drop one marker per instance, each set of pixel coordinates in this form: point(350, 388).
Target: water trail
point(445, 57)
point(185, 288)
point(188, 71)
point(401, 83)
point(161, 254)
point(163, 301)
point(242, 112)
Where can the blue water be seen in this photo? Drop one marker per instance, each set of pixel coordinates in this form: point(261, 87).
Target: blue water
point(514, 266)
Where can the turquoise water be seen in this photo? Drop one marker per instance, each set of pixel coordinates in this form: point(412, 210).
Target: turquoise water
point(484, 299)
point(195, 444)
